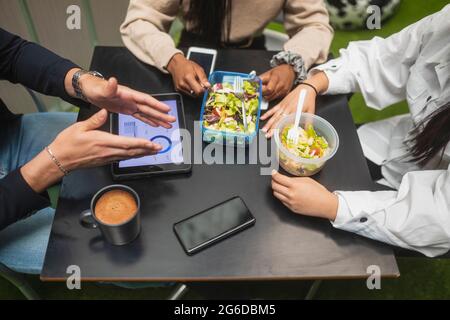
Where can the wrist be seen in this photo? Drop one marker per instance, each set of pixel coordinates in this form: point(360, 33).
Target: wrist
point(292, 59)
point(310, 88)
point(68, 82)
point(320, 81)
point(332, 207)
point(287, 68)
point(41, 173)
point(77, 79)
point(175, 61)
point(88, 80)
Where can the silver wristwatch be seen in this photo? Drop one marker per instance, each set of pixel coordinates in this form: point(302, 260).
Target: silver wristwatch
point(76, 81)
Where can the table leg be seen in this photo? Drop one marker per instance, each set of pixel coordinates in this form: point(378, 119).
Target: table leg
point(313, 290)
point(179, 291)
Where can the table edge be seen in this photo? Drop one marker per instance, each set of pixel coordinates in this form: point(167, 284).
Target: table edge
point(394, 275)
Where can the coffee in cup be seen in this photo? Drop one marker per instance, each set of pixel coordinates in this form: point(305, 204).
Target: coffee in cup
point(115, 207)
point(115, 210)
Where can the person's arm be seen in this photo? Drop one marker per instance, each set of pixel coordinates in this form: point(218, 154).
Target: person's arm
point(378, 68)
point(35, 67)
point(145, 31)
point(307, 24)
point(415, 217)
point(82, 145)
point(39, 69)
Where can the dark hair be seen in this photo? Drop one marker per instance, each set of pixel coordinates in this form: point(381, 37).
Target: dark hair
point(431, 136)
point(211, 19)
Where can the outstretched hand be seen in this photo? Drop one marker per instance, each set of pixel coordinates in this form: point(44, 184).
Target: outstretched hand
point(121, 99)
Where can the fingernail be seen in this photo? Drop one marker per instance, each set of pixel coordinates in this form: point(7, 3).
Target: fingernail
point(274, 171)
point(264, 129)
point(267, 135)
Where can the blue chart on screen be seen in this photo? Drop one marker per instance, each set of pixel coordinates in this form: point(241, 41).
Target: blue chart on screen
point(164, 141)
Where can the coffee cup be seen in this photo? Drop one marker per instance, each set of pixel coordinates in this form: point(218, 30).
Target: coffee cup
point(115, 210)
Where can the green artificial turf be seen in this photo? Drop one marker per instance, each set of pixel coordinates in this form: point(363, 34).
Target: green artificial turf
point(420, 278)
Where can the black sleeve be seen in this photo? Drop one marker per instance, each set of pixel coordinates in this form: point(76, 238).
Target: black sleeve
point(34, 67)
point(18, 200)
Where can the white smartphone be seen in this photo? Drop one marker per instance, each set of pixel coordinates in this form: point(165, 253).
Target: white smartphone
point(206, 58)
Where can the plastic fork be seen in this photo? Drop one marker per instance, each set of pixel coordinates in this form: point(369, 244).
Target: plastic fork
point(292, 135)
point(238, 88)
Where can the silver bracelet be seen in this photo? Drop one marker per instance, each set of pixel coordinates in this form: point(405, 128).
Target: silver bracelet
point(58, 164)
point(292, 59)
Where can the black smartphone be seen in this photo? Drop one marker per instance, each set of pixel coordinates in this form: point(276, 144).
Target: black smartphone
point(213, 225)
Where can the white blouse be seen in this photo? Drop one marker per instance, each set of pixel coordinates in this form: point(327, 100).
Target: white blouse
point(413, 64)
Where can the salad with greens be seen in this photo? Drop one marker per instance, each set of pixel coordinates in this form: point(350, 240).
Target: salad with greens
point(223, 110)
point(309, 145)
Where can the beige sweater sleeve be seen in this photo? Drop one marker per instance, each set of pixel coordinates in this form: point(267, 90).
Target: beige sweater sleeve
point(307, 24)
point(145, 31)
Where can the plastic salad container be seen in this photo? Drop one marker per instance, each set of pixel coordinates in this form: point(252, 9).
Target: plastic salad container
point(301, 166)
point(224, 125)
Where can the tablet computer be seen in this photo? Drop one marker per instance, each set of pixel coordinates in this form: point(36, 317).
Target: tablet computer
point(170, 159)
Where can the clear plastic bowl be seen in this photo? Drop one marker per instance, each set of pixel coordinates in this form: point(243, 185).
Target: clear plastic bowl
point(299, 166)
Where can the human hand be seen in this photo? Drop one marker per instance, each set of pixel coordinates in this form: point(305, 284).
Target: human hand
point(287, 106)
point(305, 196)
point(188, 76)
point(82, 146)
point(277, 82)
point(109, 95)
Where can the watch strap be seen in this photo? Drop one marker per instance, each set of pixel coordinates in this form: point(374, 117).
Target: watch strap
point(76, 82)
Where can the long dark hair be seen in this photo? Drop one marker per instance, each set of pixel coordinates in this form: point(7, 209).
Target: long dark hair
point(211, 19)
point(431, 136)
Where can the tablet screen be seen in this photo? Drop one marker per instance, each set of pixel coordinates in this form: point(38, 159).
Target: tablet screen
point(168, 138)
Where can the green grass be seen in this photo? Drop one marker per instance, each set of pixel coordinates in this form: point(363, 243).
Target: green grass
point(420, 278)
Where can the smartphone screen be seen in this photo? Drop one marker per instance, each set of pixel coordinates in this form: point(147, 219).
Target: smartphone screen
point(205, 60)
point(214, 224)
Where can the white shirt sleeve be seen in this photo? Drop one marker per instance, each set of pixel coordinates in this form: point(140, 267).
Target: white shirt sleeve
point(416, 217)
point(378, 68)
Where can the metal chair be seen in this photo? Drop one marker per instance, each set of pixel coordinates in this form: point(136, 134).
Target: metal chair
point(19, 281)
